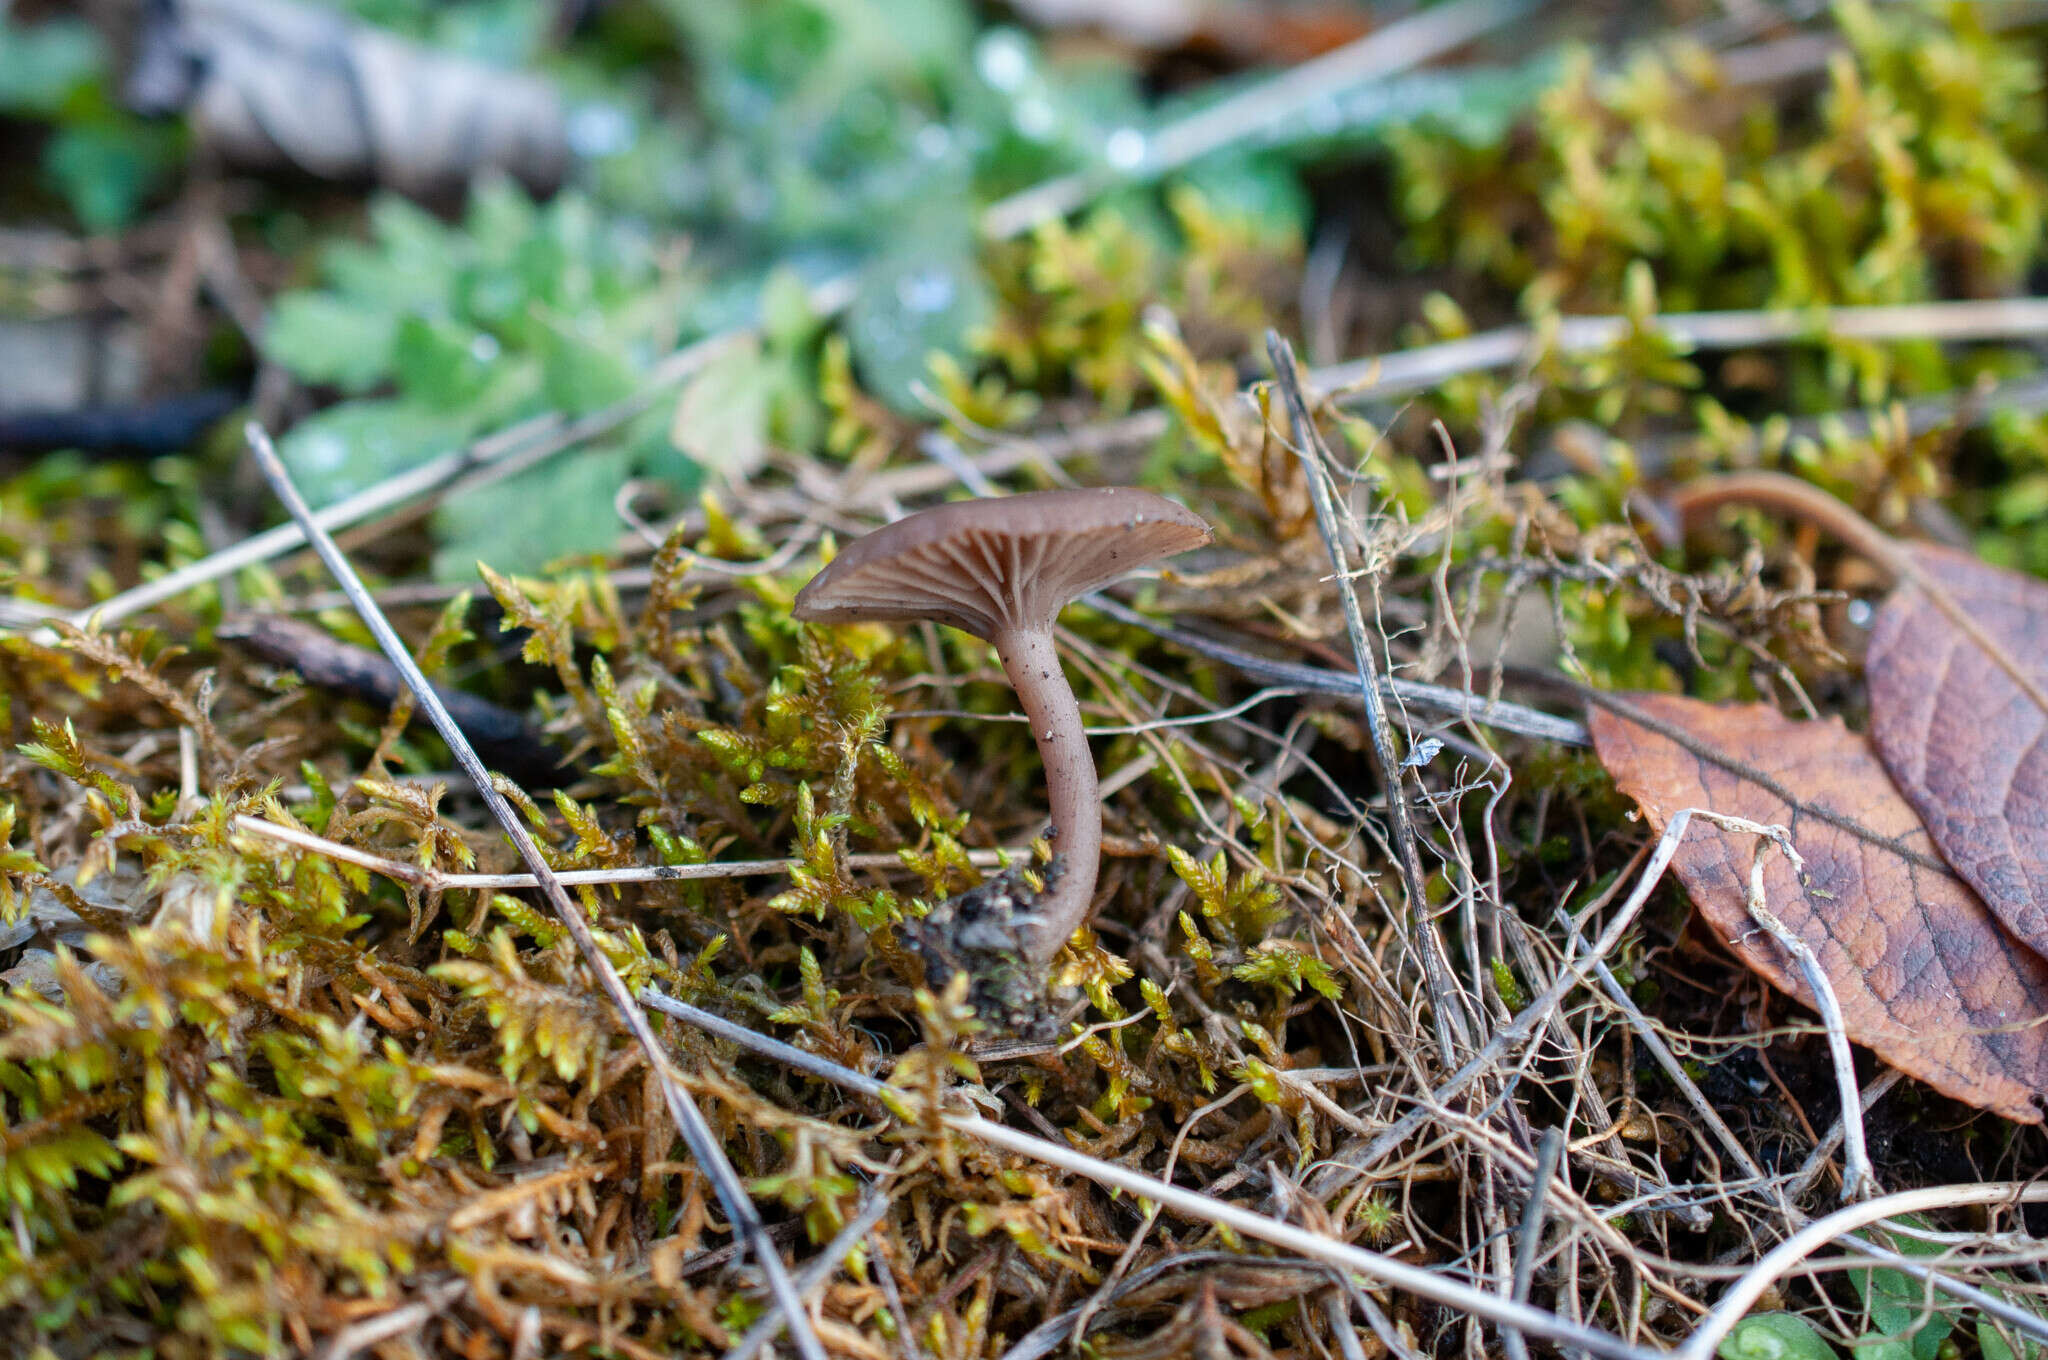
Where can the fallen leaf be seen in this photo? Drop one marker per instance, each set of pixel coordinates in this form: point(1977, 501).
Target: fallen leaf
point(1924, 974)
point(1964, 741)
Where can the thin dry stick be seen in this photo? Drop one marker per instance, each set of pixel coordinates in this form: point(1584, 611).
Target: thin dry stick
point(2023, 1319)
point(1569, 977)
point(1413, 370)
point(1086, 1312)
point(697, 1135)
point(1788, 494)
point(1405, 372)
point(1529, 1238)
point(1858, 1178)
point(361, 1336)
point(815, 1272)
point(1386, 51)
point(1382, 1325)
point(1516, 933)
point(1666, 1059)
point(1337, 1313)
point(1965, 407)
point(1373, 1266)
point(491, 458)
point(436, 880)
point(1743, 1294)
point(1817, 1160)
point(1447, 1010)
point(271, 543)
point(878, 1258)
point(1456, 703)
point(1352, 383)
point(1045, 1338)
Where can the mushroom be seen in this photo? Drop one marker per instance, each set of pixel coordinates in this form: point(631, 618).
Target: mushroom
point(1002, 569)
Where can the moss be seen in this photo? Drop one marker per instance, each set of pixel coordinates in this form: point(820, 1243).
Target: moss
point(255, 1093)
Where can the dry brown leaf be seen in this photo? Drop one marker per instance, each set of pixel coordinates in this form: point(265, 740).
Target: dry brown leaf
point(1958, 673)
point(1924, 974)
point(1963, 740)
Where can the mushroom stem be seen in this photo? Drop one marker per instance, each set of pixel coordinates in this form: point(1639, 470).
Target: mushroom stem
point(1033, 664)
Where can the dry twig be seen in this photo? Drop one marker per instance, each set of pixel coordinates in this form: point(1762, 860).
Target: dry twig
point(1449, 1008)
point(1480, 1303)
point(697, 1135)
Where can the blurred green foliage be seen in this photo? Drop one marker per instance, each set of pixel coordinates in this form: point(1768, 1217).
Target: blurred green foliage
point(101, 161)
point(517, 310)
point(818, 135)
point(1917, 175)
point(1913, 171)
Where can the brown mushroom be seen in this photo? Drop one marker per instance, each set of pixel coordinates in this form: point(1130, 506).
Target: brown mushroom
point(1002, 569)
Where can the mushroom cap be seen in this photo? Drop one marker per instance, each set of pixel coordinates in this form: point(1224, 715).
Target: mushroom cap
point(1001, 563)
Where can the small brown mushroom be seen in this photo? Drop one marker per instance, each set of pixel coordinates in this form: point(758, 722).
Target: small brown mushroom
point(1002, 569)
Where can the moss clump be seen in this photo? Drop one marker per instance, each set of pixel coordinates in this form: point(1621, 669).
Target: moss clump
point(256, 1097)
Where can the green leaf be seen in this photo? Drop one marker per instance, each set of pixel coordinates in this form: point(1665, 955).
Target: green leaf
point(926, 295)
point(326, 338)
point(411, 265)
point(721, 420)
point(521, 524)
point(1899, 1305)
point(1991, 1340)
point(42, 65)
point(581, 370)
point(104, 166)
point(788, 321)
point(348, 447)
point(500, 218)
point(1259, 190)
point(442, 363)
point(1878, 1346)
point(1993, 1344)
point(1774, 1336)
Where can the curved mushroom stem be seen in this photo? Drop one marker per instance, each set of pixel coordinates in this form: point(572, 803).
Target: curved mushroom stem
point(1033, 664)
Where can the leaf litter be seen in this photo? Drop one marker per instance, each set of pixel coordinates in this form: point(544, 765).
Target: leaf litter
point(1956, 684)
point(1925, 974)
point(1967, 745)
